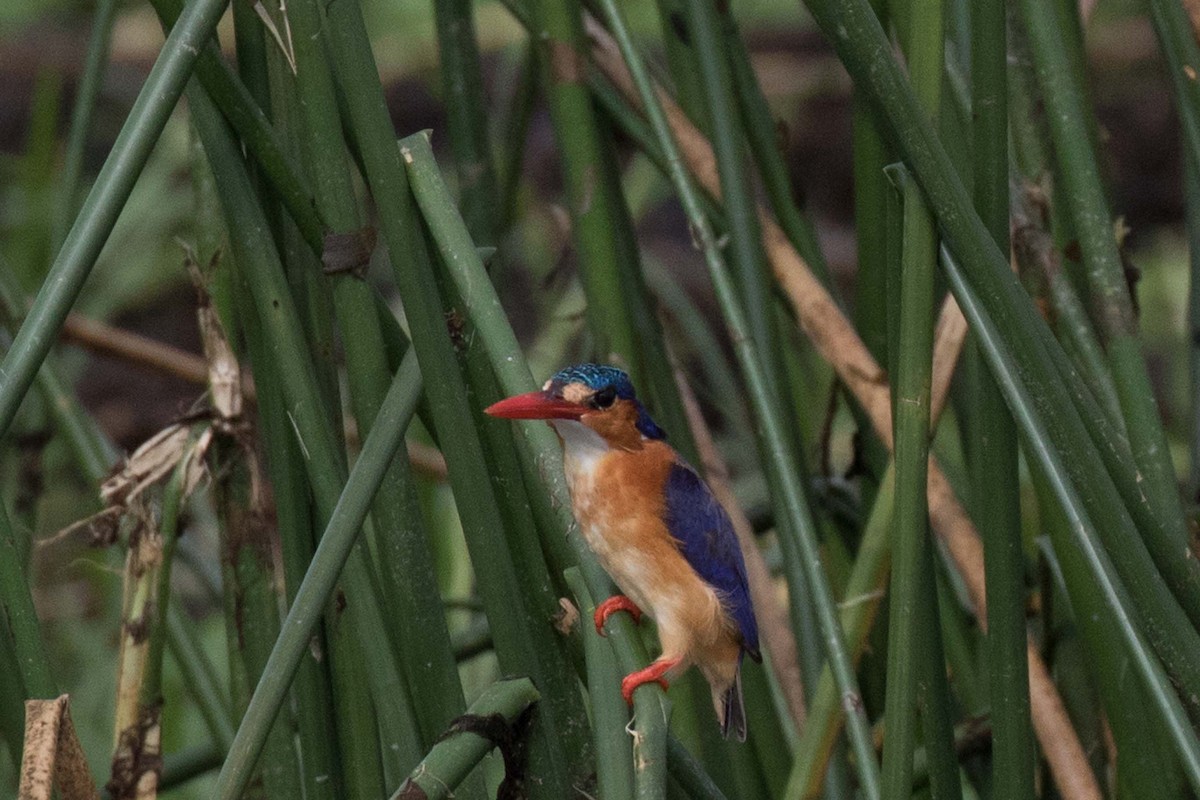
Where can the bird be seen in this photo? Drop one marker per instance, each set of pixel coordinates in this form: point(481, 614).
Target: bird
point(655, 527)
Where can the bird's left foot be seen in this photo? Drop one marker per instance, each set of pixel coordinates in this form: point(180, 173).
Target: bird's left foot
point(617, 602)
point(651, 674)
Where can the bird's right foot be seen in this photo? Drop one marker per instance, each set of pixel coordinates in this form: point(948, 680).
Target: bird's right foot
point(617, 602)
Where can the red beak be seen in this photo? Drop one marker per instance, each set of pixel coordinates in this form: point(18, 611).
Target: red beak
point(535, 405)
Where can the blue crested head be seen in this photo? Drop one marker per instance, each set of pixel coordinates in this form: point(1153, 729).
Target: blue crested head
point(602, 378)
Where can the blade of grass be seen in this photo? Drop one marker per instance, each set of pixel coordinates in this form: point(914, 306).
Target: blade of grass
point(103, 205)
point(992, 436)
point(786, 481)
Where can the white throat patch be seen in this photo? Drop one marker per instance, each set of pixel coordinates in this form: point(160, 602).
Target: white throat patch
point(582, 446)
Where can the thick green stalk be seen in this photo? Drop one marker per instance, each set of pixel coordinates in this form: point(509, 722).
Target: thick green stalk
point(453, 758)
point(558, 28)
point(992, 435)
point(863, 48)
point(1112, 306)
point(99, 213)
point(525, 642)
point(908, 637)
point(1040, 447)
point(467, 117)
point(614, 762)
point(86, 93)
point(781, 466)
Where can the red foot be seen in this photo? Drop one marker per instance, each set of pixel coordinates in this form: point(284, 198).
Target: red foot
point(618, 602)
point(651, 674)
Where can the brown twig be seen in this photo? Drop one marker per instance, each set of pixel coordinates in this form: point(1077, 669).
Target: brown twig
point(100, 337)
point(839, 344)
point(776, 633)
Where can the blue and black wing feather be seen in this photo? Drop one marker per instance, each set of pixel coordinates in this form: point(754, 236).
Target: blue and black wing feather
point(708, 542)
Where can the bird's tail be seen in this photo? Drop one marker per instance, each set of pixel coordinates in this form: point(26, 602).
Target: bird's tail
point(731, 710)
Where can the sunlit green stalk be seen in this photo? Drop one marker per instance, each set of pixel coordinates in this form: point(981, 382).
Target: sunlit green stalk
point(104, 203)
point(786, 481)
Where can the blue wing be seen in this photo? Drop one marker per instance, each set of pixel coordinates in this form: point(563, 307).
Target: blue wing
point(706, 538)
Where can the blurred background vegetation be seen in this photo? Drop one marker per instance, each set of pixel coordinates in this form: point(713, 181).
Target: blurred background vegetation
point(140, 295)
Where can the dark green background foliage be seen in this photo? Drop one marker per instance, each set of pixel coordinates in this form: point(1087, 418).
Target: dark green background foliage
point(970, 536)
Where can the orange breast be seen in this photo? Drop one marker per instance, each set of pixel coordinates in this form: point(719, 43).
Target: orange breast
point(619, 503)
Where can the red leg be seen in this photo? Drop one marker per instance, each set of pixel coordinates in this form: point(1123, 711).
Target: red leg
point(651, 674)
point(618, 602)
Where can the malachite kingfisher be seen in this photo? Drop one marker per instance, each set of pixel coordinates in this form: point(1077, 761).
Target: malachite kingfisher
point(655, 527)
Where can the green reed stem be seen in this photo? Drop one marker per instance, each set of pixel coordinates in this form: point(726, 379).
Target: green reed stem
point(992, 435)
point(614, 762)
point(467, 117)
point(910, 611)
point(17, 601)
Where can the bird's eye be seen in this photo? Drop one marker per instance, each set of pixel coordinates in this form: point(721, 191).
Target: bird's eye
point(603, 398)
